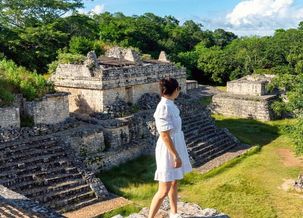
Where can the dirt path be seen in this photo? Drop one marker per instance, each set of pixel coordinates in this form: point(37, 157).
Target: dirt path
point(289, 159)
point(98, 208)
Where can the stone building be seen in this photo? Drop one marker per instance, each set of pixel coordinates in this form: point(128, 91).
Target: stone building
point(246, 97)
point(120, 73)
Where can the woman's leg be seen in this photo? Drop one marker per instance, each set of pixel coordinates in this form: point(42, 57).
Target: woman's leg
point(158, 198)
point(173, 197)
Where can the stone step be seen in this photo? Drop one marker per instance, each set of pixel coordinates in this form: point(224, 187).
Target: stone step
point(33, 168)
point(44, 182)
point(208, 146)
point(37, 191)
point(26, 146)
point(40, 175)
point(195, 121)
point(193, 116)
point(79, 205)
point(196, 118)
point(203, 159)
point(7, 210)
point(47, 158)
point(206, 135)
point(202, 130)
point(19, 156)
point(67, 203)
point(8, 213)
point(213, 139)
point(195, 126)
point(64, 194)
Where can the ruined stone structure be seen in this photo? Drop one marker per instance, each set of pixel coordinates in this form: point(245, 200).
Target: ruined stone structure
point(121, 73)
point(10, 117)
point(54, 161)
point(13, 204)
point(132, 136)
point(52, 108)
point(40, 163)
point(247, 98)
point(191, 84)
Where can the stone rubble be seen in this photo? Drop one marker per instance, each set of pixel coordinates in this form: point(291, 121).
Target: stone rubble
point(188, 210)
point(299, 183)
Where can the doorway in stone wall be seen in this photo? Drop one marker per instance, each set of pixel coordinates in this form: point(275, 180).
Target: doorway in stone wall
point(129, 92)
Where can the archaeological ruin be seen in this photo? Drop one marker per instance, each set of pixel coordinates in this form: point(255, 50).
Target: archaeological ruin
point(101, 116)
point(120, 73)
point(246, 97)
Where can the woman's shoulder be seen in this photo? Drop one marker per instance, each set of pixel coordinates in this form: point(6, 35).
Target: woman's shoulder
point(165, 109)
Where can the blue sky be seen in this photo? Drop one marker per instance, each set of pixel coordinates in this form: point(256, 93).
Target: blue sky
point(246, 17)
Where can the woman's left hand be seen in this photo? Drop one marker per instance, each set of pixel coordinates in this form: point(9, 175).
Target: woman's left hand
point(177, 162)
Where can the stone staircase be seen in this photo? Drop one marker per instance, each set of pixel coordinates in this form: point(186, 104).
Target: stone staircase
point(204, 140)
point(7, 210)
point(42, 170)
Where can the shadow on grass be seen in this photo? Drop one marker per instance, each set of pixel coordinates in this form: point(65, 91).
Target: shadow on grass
point(249, 131)
point(135, 172)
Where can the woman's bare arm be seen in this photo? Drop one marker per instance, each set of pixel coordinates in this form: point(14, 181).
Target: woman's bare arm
point(165, 135)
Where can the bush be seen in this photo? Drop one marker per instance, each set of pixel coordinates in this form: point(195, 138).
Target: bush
point(65, 58)
point(295, 131)
point(15, 79)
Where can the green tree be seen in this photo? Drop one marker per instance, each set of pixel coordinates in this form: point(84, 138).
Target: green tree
point(31, 30)
point(23, 14)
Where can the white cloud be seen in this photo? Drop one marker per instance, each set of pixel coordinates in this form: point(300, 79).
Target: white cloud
point(262, 16)
point(98, 9)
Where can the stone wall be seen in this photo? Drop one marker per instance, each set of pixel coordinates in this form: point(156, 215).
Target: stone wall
point(94, 91)
point(125, 139)
point(9, 117)
point(86, 142)
point(147, 73)
point(116, 137)
point(247, 88)
point(191, 84)
point(257, 107)
point(110, 159)
point(52, 108)
point(83, 100)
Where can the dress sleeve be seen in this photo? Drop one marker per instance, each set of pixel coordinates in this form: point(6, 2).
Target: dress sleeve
point(163, 118)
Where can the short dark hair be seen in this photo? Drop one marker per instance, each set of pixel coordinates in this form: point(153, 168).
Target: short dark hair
point(168, 86)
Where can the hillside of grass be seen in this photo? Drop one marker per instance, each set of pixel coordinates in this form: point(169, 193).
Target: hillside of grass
point(248, 186)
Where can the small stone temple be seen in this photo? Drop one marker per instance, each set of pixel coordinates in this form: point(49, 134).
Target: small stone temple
point(246, 97)
point(120, 73)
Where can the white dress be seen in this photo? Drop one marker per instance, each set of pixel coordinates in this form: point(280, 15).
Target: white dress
point(167, 116)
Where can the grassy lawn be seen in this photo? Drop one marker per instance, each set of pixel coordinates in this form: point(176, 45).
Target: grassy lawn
point(221, 88)
point(244, 187)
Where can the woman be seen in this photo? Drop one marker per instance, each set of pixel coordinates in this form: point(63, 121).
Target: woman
point(171, 152)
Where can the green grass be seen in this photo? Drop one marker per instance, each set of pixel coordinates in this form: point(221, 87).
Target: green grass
point(205, 100)
point(247, 186)
point(221, 88)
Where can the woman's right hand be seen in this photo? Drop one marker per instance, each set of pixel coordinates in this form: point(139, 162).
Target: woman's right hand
point(177, 162)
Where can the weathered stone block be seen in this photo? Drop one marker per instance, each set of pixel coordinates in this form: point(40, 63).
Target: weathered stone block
point(257, 107)
point(51, 109)
point(9, 117)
